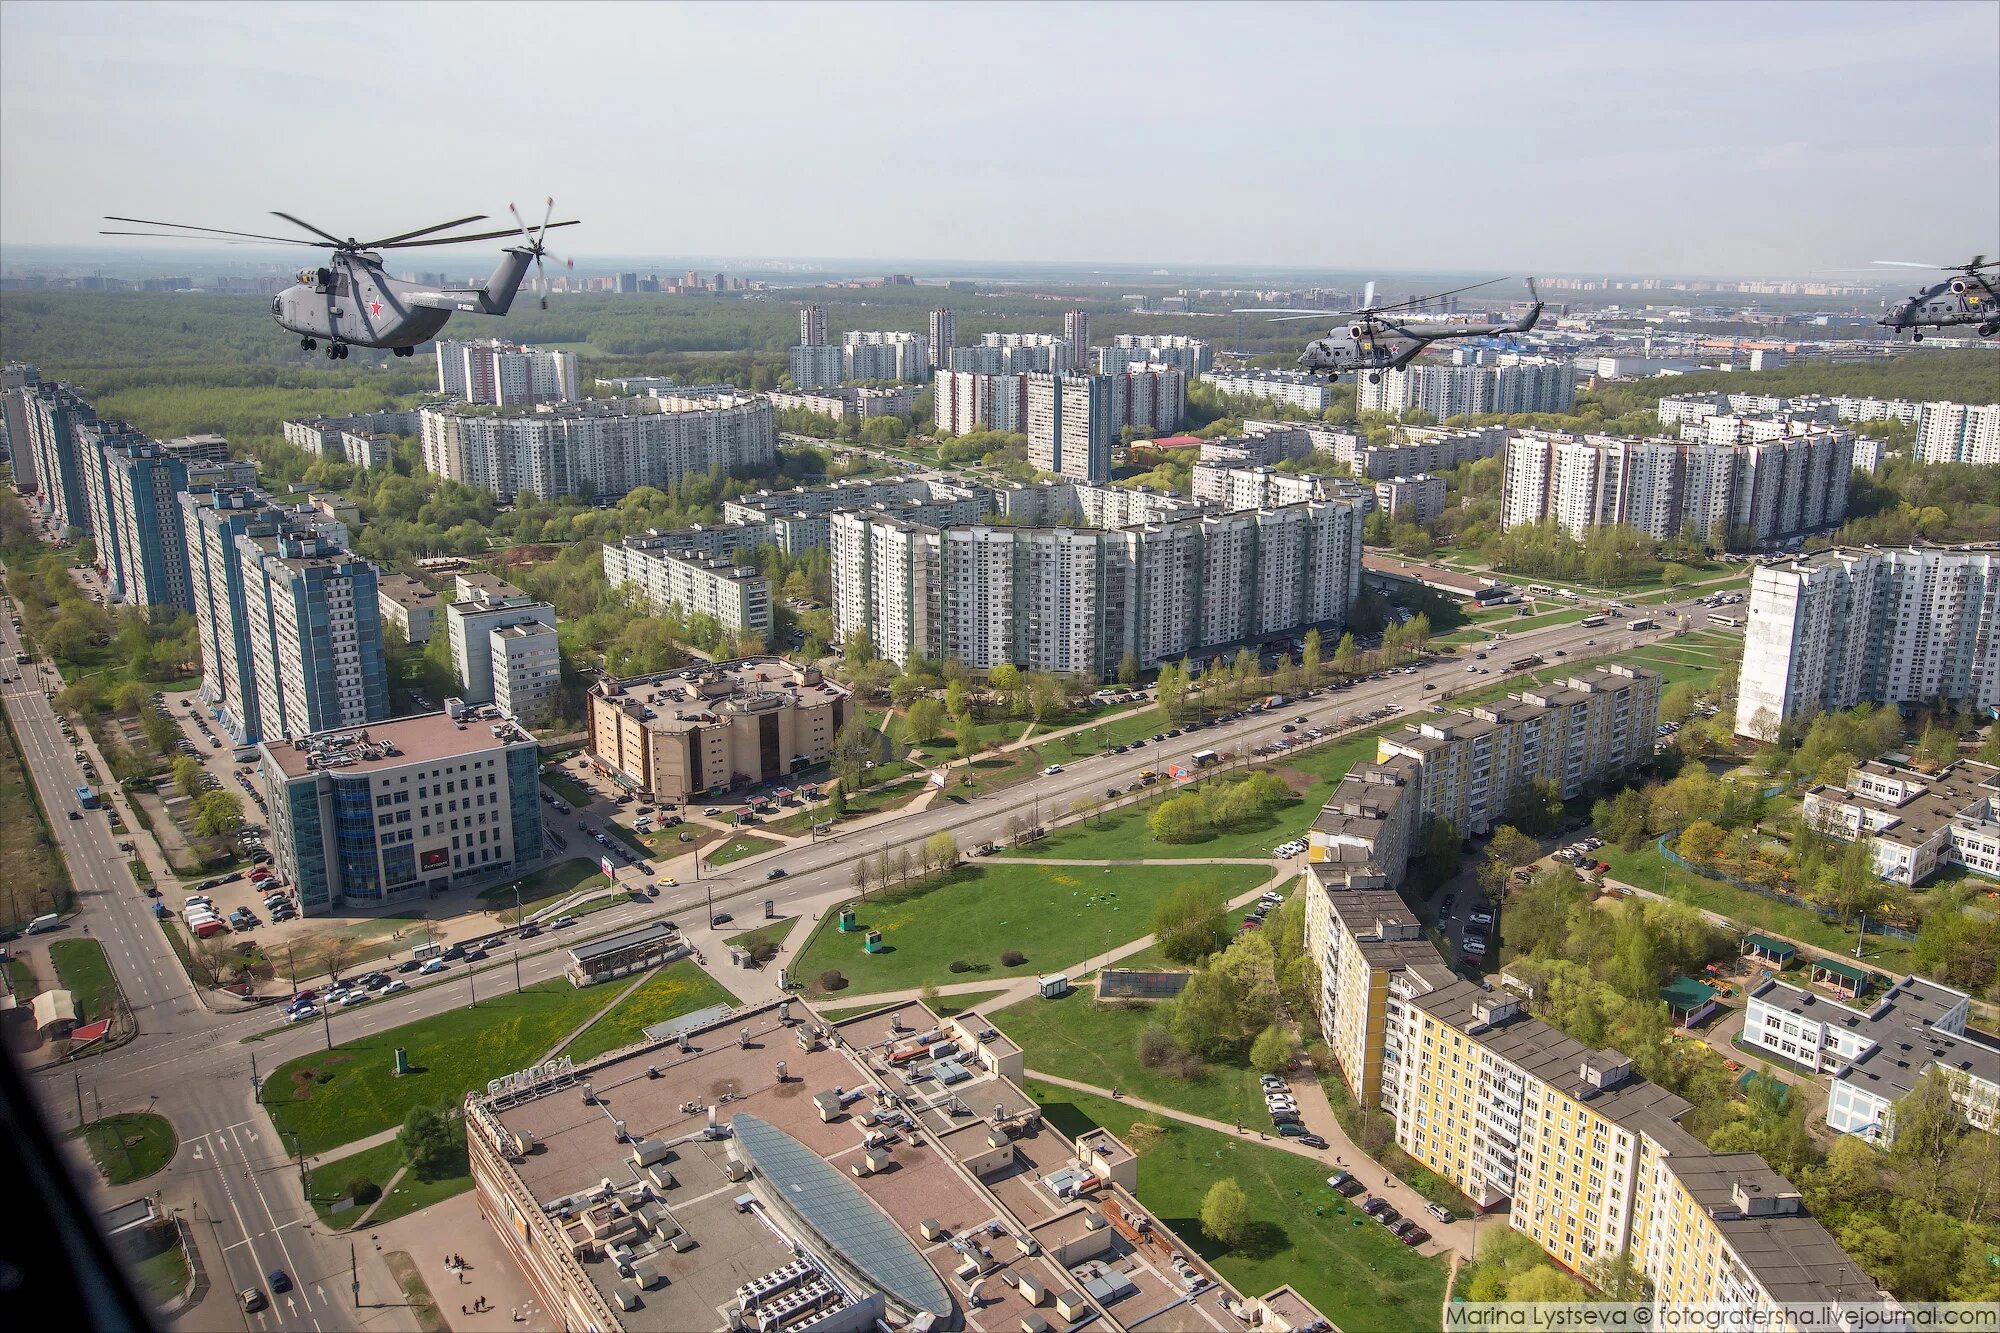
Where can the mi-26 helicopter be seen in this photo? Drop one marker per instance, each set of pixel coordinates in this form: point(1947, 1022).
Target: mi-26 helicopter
point(1376, 339)
point(1968, 298)
point(351, 301)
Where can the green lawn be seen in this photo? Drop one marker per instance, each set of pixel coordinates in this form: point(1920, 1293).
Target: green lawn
point(1306, 1235)
point(1647, 869)
point(554, 881)
point(771, 932)
point(1075, 1037)
point(162, 1276)
point(130, 1147)
point(333, 1097)
point(328, 1184)
point(679, 988)
point(1056, 915)
point(85, 973)
point(946, 1006)
point(566, 787)
point(739, 847)
point(1123, 836)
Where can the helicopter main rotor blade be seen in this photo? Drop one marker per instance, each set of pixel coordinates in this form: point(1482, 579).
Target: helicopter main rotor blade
point(477, 236)
point(1434, 296)
point(423, 231)
point(219, 240)
point(300, 222)
point(1904, 263)
point(213, 231)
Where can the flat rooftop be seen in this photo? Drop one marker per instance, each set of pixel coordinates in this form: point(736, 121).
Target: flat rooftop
point(394, 744)
point(678, 700)
point(1899, 1024)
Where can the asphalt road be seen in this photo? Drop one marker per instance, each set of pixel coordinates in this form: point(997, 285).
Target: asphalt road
point(194, 1066)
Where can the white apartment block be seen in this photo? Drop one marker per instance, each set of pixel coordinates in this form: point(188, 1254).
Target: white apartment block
point(855, 401)
point(1193, 355)
point(1076, 332)
point(1869, 454)
point(817, 366)
point(1419, 499)
point(1076, 599)
point(471, 623)
point(408, 604)
point(1016, 354)
point(1279, 386)
point(1231, 488)
point(1872, 1057)
point(1959, 433)
point(359, 439)
point(1261, 444)
point(966, 401)
point(1869, 624)
point(869, 355)
point(1070, 425)
point(598, 450)
point(1737, 495)
point(525, 662)
point(672, 577)
point(1511, 385)
point(499, 374)
point(1915, 824)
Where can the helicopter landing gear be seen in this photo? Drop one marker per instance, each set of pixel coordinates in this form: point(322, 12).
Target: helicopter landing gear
point(1374, 377)
point(404, 351)
point(336, 351)
point(307, 344)
point(1916, 337)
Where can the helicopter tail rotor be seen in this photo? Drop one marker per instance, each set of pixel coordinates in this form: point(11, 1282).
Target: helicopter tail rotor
point(537, 246)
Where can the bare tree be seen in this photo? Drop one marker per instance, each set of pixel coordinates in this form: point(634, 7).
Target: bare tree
point(212, 956)
point(301, 958)
point(885, 866)
point(903, 866)
point(336, 951)
point(862, 877)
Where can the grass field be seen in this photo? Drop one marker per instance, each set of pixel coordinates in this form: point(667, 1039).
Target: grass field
point(85, 973)
point(1305, 1235)
point(771, 932)
point(1055, 915)
point(32, 877)
point(333, 1097)
point(739, 847)
point(679, 988)
point(130, 1147)
point(1075, 1037)
point(1122, 835)
point(329, 1184)
point(549, 882)
point(567, 787)
point(162, 1276)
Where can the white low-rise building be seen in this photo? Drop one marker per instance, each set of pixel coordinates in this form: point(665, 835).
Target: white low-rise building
point(1915, 823)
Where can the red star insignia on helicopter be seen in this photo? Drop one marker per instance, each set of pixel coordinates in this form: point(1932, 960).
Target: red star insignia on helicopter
point(374, 307)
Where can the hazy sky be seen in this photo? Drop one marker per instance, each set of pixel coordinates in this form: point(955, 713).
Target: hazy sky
point(1650, 137)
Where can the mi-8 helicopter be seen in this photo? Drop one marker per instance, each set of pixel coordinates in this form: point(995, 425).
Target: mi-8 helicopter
point(1969, 298)
point(1375, 341)
point(351, 301)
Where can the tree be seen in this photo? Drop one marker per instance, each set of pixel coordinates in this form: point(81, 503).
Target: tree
point(924, 719)
point(212, 955)
point(1190, 923)
point(1620, 1278)
point(1128, 668)
point(1701, 842)
point(1677, 703)
point(428, 1142)
point(940, 852)
point(1181, 819)
point(1938, 747)
point(966, 731)
point(1927, 1129)
point(1225, 1213)
point(836, 800)
point(862, 876)
point(218, 814)
point(1272, 1051)
point(335, 952)
point(1309, 655)
point(188, 774)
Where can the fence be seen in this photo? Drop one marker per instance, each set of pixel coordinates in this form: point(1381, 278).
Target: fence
point(1778, 895)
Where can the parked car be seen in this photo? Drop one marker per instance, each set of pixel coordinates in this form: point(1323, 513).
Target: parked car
point(1372, 1205)
point(1312, 1141)
point(1415, 1236)
point(396, 986)
point(1439, 1211)
point(433, 967)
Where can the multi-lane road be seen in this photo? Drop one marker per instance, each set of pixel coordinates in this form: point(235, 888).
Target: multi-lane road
point(234, 1177)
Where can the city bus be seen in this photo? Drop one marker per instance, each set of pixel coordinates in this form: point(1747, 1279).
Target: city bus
point(1591, 622)
point(86, 798)
point(1734, 622)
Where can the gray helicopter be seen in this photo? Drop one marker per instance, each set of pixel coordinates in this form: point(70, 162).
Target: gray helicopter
point(1969, 298)
point(351, 301)
point(1376, 340)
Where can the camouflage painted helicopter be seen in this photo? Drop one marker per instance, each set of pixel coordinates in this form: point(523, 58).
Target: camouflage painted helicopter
point(1968, 298)
point(351, 301)
point(1376, 339)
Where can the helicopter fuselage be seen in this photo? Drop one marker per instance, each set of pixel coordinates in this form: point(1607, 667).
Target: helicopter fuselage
point(350, 300)
point(1968, 299)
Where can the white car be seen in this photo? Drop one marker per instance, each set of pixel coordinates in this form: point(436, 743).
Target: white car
point(1475, 943)
point(433, 967)
point(396, 987)
point(1052, 770)
point(302, 1015)
point(355, 997)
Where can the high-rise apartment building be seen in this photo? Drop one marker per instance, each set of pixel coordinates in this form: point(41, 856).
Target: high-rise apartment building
point(817, 366)
point(965, 401)
point(403, 810)
point(1076, 332)
point(1075, 599)
point(1070, 425)
point(1870, 625)
point(812, 326)
point(872, 355)
point(362, 439)
point(1419, 499)
point(1148, 396)
point(674, 574)
point(496, 373)
point(15, 378)
point(598, 450)
point(1959, 433)
point(52, 414)
point(1193, 355)
point(314, 625)
point(1015, 354)
point(133, 491)
point(1511, 384)
point(1736, 495)
point(944, 336)
point(1279, 386)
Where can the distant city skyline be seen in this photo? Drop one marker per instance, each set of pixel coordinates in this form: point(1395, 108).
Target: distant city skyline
point(1686, 140)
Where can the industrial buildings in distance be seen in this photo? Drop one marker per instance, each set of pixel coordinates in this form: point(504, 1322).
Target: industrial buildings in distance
point(1902, 626)
point(675, 735)
point(408, 808)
